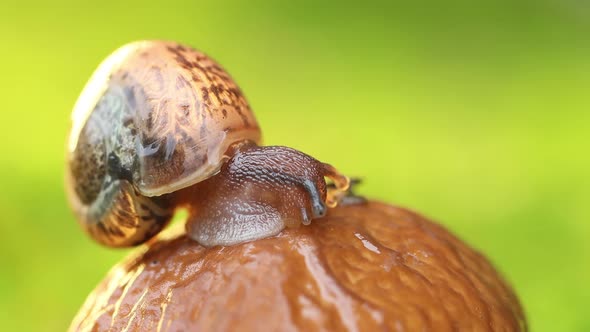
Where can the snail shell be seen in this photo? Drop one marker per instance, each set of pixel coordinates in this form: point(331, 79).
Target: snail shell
point(154, 118)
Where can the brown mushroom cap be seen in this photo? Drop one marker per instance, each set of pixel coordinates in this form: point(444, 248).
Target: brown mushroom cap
point(366, 267)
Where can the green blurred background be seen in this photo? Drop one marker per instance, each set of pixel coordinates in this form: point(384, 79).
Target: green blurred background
point(477, 115)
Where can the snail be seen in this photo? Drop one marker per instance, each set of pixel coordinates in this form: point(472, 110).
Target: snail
point(161, 126)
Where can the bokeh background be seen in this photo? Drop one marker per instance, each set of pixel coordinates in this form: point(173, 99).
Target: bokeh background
point(476, 114)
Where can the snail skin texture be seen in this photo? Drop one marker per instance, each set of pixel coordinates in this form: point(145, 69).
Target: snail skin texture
point(161, 126)
point(363, 267)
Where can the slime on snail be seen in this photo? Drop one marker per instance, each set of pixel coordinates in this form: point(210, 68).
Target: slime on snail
point(161, 126)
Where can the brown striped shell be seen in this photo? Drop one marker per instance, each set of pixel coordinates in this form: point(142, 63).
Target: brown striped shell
point(154, 118)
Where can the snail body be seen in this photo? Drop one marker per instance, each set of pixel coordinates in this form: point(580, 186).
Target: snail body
point(161, 126)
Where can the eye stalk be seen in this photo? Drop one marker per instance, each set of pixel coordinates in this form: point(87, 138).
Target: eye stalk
point(318, 207)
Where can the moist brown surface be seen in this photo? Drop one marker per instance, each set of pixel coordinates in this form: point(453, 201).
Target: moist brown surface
point(370, 267)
